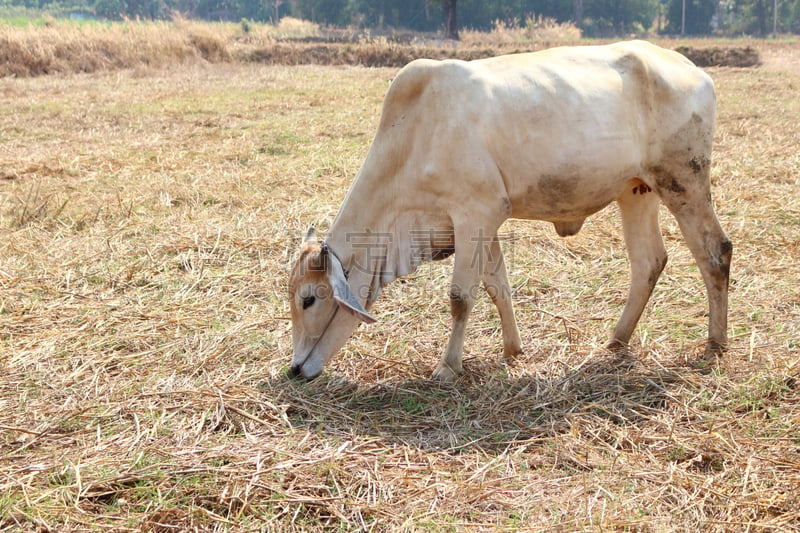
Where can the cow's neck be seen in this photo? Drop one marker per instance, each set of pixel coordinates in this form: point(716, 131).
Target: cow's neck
point(371, 238)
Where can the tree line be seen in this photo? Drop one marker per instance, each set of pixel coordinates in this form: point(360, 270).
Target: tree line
point(596, 18)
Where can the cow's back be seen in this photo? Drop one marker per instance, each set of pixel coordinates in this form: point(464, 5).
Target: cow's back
point(557, 133)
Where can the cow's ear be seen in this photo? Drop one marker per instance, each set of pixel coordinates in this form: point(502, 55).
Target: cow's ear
point(311, 236)
point(317, 254)
point(319, 257)
point(342, 293)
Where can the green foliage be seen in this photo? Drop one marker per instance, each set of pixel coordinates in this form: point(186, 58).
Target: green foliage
point(616, 17)
point(324, 11)
point(110, 9)
point(22, 12)
point(756, 17)
point(596, 18)
point(697, 19)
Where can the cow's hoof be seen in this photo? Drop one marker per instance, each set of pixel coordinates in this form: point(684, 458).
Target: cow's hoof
point(445, 374)
point(617, 346)
point(715, 349)
point(509, 352)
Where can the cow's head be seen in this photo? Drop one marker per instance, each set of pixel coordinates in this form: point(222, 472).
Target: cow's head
point(324, 309)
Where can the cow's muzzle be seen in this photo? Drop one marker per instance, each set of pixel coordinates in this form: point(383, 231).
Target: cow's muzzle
point(297, 371)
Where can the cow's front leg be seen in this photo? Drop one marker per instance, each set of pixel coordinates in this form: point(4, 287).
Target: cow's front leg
point(450, 366)
point(495, 280)
point(470, 258)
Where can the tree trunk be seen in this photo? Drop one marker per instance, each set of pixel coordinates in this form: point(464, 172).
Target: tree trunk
point(775, 18)
point(761, 13)
point(578, 13)
point(450, 21)
point(277, 4)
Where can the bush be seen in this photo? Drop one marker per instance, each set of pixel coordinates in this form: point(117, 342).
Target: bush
point(721, 57)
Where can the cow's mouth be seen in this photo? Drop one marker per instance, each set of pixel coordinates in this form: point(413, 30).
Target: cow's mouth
point(296, 372)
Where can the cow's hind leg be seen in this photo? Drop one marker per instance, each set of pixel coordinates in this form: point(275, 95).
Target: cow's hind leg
point(646, 252)
point(495, 280)
point(711, 248)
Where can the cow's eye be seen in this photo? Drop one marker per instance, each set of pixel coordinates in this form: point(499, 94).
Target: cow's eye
point(308, 301)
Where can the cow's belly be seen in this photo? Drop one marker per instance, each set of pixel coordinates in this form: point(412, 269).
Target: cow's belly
point(569, 195)
point(558, 199)
point(574, 183)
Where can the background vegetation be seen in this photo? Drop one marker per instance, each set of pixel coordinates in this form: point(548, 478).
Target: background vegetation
point(67, 47)
point(595, 18)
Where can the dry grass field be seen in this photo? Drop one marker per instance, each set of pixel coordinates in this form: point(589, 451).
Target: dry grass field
point(148, 217)
point(62, 47)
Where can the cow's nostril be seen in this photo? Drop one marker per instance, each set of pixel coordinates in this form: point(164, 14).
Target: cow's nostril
point(294, 371)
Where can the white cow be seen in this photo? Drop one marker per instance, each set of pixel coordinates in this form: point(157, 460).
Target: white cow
point(554, 135)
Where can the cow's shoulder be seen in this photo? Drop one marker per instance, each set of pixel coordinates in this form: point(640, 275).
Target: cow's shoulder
point(648, 52)
point(420, 74)
point(422, 89)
